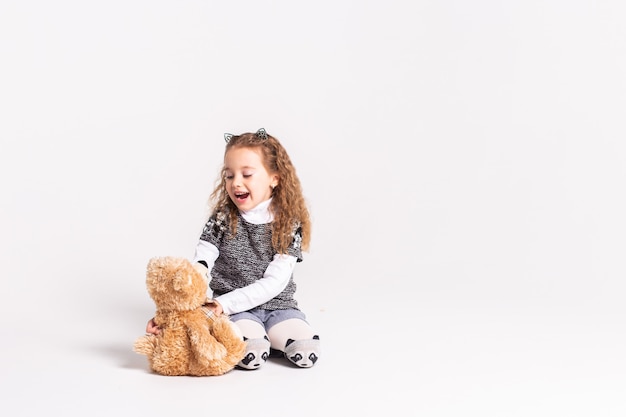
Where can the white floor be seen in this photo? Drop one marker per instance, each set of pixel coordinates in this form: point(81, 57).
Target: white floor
point(465, 166)
point(447, 347)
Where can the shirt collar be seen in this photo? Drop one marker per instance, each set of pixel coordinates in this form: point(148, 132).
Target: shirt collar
point(260, 214)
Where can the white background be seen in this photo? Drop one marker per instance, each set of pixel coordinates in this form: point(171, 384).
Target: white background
point(464, 162)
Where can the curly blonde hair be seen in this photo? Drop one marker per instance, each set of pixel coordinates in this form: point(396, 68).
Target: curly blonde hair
point(288, 205)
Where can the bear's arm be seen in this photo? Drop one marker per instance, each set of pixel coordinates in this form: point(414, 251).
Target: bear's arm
point(206, 347)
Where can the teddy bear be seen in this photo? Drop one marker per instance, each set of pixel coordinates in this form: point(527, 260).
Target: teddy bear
point(191, 340)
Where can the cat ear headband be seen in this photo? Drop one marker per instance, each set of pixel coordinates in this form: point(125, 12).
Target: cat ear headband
point(261, 134)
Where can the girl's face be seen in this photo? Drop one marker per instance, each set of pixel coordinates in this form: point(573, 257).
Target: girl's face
point(248, 182)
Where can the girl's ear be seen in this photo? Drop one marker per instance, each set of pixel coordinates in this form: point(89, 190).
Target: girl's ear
point(275, 181)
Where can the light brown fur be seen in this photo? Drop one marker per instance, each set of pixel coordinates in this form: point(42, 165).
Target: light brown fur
point(189, 342)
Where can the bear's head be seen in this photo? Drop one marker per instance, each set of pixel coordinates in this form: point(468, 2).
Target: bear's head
point(174, 284)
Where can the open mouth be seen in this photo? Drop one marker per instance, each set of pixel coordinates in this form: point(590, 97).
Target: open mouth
point(241, 196)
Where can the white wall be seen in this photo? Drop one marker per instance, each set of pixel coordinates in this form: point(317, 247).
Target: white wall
point(473, 150)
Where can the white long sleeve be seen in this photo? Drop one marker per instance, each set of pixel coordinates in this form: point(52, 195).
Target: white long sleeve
point(275, 279)
point(208, 253)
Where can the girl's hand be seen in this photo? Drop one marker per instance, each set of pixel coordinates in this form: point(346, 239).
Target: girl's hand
point(152, 328)
point(214, 306)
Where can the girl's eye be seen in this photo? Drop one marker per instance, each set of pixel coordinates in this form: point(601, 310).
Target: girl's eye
point(247, 175)
point(229, 177)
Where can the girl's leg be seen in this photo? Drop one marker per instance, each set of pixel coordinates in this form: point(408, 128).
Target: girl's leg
point(257, 344)
point(297, 340)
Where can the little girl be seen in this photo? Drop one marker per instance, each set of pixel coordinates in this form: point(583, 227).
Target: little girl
point(249, 247)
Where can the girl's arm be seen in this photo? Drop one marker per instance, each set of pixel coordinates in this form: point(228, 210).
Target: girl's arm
point(206, 254)
point(275, 279)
